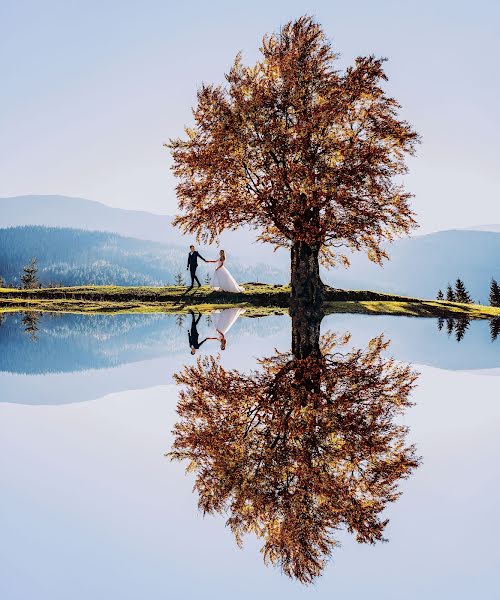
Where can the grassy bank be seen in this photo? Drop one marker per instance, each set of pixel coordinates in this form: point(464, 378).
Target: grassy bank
point(258, 299)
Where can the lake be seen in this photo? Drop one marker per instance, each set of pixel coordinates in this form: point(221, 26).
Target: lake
point(92, 507)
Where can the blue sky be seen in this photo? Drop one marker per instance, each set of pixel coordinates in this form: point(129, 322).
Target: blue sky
point(91, 90)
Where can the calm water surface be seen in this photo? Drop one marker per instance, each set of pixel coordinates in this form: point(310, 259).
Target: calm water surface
point(91, 507)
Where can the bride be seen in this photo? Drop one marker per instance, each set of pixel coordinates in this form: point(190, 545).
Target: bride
point(222, 279)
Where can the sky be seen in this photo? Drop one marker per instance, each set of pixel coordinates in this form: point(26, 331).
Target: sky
point(90, 91)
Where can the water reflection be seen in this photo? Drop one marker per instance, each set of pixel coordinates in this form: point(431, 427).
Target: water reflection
point(457, 328)
point(495, 328)
point(454, 327)
point(304, 445)
point(29, 322)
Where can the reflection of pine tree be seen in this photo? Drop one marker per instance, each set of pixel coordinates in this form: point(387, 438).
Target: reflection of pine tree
point(440, 323)
point(30, 324)
point(461, 294)
point(495, 328)
point(461, 326)
point(179, 320)
point(440, 295)
point(208, 320)
point(450, 294)
point(494, 293)
point(449, 326)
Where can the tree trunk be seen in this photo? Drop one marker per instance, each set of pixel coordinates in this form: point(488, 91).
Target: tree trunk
point(306, 326)
point(306, 283)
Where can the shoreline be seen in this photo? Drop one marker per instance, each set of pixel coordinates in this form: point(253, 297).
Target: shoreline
point(258, 300)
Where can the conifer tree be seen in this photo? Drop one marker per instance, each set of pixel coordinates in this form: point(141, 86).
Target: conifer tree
point(2, 282)
point(461, 325)
point(494, 293)
point(495, 328)
point(461, 294)
point(440, 295)
point(450, 294)
point(29, 278)
point(450, 325)
point(179, 279)
point(207, 279)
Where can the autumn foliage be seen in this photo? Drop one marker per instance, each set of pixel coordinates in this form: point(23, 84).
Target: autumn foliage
point(300, 150)
point(299, 448)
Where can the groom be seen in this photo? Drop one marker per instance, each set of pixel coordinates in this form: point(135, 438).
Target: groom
point(192, 265)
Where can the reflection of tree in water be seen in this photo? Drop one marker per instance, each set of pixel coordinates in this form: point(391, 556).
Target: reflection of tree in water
point(301, 447)
point(30, 324)
point(456, 326)
point(494, 328)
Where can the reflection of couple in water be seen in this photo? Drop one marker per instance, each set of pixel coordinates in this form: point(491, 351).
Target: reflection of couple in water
point(222, 320)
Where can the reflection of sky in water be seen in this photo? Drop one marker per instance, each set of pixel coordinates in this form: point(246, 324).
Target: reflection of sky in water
point(92, 509)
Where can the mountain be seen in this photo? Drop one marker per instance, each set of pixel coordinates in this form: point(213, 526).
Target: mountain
point(79, 213)
point(421, 265)
point(76, 257)
point(491, 228)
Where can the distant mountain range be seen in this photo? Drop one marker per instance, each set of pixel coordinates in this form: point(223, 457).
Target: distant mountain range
point(75, 257)
point(79, 213)
point(419, 265)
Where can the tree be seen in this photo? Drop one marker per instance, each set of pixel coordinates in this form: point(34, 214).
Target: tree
point(300, 150)
point(305, 445)
point(450, 294)
point(208, 279)
point(179, 279)
point(494, 328)
point(461, 326)
point(30, 323)
point(179, 320)
point(461, 294)
point(3, 283)
point(29, 278)
point(494, 293)
point(440, 295)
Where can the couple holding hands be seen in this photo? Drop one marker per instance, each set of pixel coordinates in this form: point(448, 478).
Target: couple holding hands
point(222, 280)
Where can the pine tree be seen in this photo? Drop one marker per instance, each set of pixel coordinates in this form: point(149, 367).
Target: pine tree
point(2, 282)
point(461, 326)
point(461, 294)
point(495, 328)
point(440, 323)
point(30, 324)
point(450, 325)
point(208, 279)
point(179, 279)
point(450, 294)
point(494, 293)
point(29, 277)
point(440, 295)
point(179, 321)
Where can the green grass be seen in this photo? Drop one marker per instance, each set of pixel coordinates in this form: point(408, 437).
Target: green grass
point(258, 300)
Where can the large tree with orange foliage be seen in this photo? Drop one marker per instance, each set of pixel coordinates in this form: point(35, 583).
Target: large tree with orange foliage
point(299, 150)
point(306, 445)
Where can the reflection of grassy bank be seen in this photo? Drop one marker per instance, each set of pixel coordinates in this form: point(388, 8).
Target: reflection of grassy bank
point(258, 299)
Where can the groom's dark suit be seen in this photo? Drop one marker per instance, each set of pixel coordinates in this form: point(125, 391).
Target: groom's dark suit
point(192, 265)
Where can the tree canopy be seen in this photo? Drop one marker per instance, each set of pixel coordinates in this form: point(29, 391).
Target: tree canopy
point(295, 147)
point(305, 445)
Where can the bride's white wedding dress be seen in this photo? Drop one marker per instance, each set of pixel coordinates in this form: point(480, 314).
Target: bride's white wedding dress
point(223, 281)
point(223, 320)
